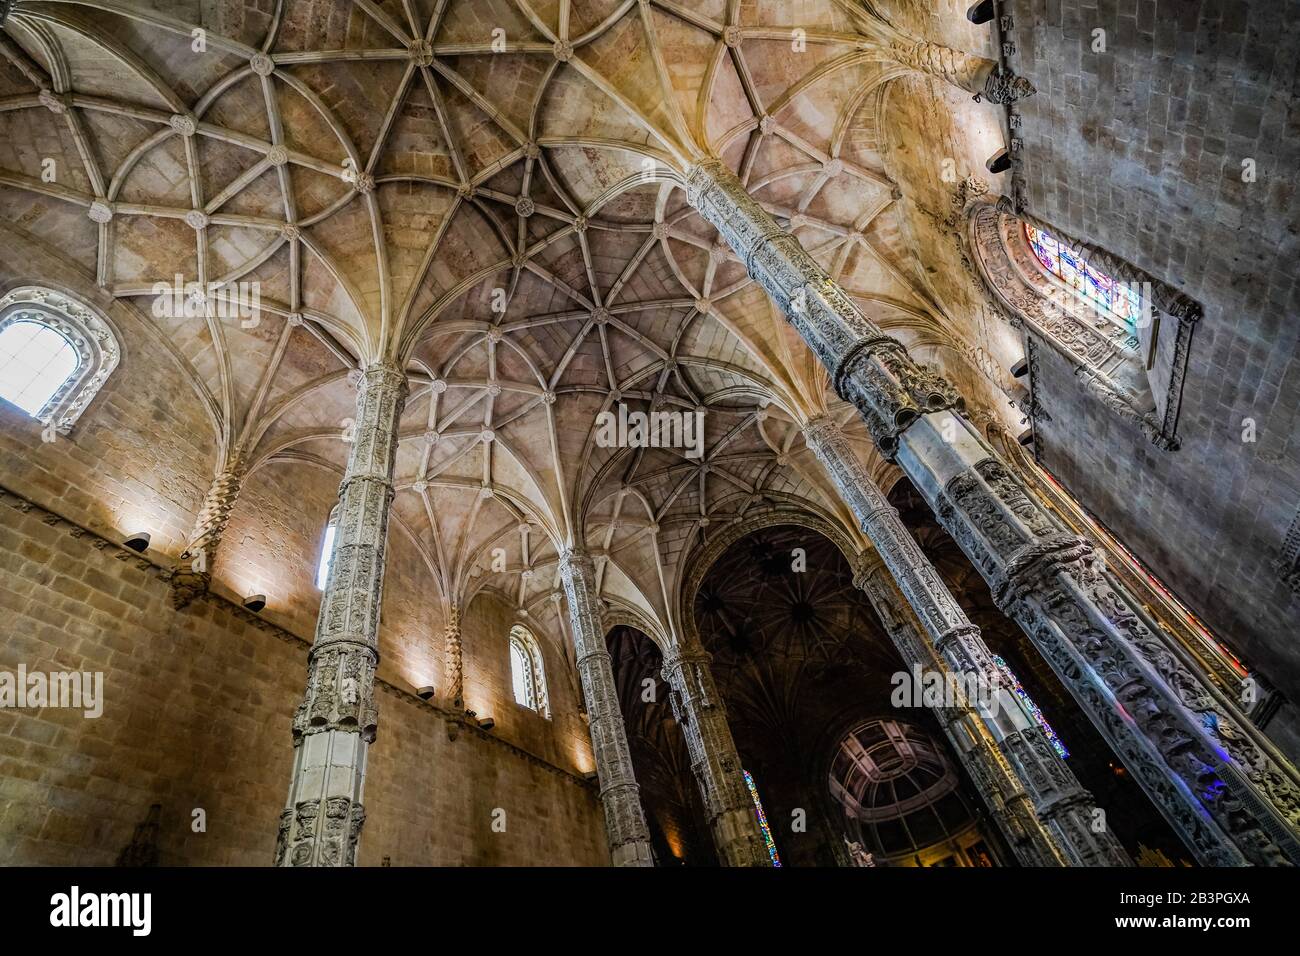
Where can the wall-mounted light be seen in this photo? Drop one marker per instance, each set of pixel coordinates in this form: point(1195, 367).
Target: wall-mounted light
point(980, 12)
point(138, 542)
point(999, 162)
point(1026, 437)
point(1020, 369)
point(486, 723)
point(424, 693)
point(255, 602)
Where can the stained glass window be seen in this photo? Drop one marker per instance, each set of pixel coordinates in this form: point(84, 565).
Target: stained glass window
point(1119, 300)
point(1031, 706)
point(762, 820)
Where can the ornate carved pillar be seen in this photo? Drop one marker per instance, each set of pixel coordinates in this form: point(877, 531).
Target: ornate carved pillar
point(1066, 809)
point(452, 658)
point(1229, 793)
point(193, 573)
point(336, 722)
point(625, 826)
point(976, 744)
point(703, 719)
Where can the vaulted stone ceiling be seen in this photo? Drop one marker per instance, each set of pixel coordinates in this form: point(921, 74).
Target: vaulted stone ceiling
point(488, 191)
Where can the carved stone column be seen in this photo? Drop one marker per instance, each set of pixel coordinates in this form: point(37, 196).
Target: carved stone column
point(1061, 802)
point(453, 659)
point(975, 743)
point(192, 575)
point(716, 765)
point(974, 74)
point(336, 722)
point(1224, 788)
point(625, 826)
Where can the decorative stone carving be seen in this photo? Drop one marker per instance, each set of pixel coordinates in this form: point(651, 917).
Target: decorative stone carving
point(714, 762)
point(869, 368)
point(262, 64)
point(193, 574)
point(337, 719)
point(85, 330)
point(421, 52)
point(1231, 798)
point(1063, 806)
point(197, 219)
point(56, 103)
point(976, 75)
point(452, 659)
point(1100, 358)
point(100, 212)
point(625, 826)
point(183, 124)
point(1004, 87)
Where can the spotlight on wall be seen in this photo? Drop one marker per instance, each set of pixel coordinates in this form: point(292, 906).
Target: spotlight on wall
point(999, 162)
point(1020, 369)
point(1026, 437)
point(138, 542)
point(486, 723)
point(980, 12)
point(590, 776)
point(424, 693)
point(255, 602)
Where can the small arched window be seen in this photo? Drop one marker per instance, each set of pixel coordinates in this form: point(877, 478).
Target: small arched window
point(326, 558)
point(55, 355)
point(526, 673)
point(35, 361)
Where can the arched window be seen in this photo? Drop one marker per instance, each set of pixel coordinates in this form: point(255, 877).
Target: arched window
point(526, 673)
point(1125, 335)
point(55, 354)
point(1118, 301)
point(326, 558)
point(35, 361)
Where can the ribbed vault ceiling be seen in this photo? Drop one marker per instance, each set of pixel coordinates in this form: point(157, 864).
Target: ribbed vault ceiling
point(487, 191)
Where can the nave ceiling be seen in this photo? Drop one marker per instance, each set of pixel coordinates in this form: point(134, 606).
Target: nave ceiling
point(509, 225)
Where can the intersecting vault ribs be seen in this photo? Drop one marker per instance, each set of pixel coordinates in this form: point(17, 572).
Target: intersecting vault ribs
point(504, 220)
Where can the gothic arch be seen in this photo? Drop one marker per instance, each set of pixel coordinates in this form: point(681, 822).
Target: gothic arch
point(698, 564)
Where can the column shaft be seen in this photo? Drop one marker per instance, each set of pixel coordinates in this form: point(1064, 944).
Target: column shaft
point(336, 722)
point(193, 573)
point(1000, 786)
point(714, 762)
point(1061, 802)
point(1228, 792)
point(625, 826)
point(453, 659)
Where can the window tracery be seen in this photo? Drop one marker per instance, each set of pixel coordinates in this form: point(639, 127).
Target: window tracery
point(528, 678)
point(56, 353)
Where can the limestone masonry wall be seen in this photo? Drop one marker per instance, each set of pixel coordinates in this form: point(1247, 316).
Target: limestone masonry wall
point(197, 705)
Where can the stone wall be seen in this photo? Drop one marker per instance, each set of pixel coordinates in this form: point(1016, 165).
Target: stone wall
point(1140, 149)
point(196, 714)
